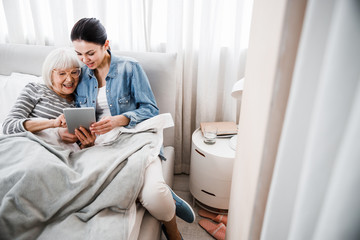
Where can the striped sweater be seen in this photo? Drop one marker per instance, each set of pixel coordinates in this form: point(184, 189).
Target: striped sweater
point(35, 101)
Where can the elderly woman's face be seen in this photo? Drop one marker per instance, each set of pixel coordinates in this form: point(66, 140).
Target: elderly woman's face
point(65, 81)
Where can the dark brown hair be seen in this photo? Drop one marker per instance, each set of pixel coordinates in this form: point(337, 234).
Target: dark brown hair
point(89, 30)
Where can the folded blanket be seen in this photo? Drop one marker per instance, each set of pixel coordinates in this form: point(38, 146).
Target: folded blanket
point(48, 192)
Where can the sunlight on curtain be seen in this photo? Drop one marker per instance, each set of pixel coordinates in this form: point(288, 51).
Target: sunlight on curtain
point(42, 23)
point(3, 27)
point(209, 36)
point(314, 192)
point(158, 22)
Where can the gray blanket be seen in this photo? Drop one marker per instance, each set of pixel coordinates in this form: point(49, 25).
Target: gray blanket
point(47, 192)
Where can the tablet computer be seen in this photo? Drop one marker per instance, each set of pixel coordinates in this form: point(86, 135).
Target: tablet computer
point(76, 117)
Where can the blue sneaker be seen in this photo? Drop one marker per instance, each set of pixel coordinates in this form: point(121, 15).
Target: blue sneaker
point(183, 209)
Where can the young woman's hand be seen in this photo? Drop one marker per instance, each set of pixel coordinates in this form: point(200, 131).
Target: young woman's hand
point(108, 123)
point(66, 136)
point(86, 138)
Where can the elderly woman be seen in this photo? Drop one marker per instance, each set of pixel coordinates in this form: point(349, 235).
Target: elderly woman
point(40, 106)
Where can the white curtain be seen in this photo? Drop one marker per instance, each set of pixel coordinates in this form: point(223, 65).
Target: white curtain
point(315, 187)
point(209, 36)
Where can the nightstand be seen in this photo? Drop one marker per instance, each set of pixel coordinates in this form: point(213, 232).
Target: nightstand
point(211, 172)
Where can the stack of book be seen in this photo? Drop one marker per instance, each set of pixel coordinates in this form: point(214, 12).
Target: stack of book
point(224, 129)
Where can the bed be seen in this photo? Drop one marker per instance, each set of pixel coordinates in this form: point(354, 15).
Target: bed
point(20, 64)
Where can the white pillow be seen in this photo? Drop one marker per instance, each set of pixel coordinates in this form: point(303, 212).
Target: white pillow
point(10, 88)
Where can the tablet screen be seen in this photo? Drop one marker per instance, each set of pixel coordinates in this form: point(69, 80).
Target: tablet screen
point(76, 117)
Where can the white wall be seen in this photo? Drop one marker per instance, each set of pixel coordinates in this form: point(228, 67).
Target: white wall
point(274, 36)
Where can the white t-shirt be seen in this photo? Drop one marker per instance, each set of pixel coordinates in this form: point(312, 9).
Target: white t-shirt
point(102, 107)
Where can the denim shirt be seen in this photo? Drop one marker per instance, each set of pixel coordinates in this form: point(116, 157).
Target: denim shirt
point(128, 90)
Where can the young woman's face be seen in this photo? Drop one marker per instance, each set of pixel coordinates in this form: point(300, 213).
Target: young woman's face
point(89, 53)
point(65, 81)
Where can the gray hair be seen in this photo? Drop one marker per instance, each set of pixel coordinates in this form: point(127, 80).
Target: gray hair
point(59, 58)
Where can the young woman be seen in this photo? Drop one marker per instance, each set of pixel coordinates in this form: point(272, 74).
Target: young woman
point(40, 106)
point(120, 91)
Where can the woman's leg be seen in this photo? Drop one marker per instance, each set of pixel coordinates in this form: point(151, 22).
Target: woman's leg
point(162, 202)
point(156, 197)
point(155, 194)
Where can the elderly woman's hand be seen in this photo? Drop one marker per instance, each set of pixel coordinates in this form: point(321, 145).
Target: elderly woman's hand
point(60, 121)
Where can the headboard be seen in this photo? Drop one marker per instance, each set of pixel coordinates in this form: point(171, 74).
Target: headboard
point(159, 67)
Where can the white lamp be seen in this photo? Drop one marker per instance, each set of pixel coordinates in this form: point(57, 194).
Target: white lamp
point(236, 93)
